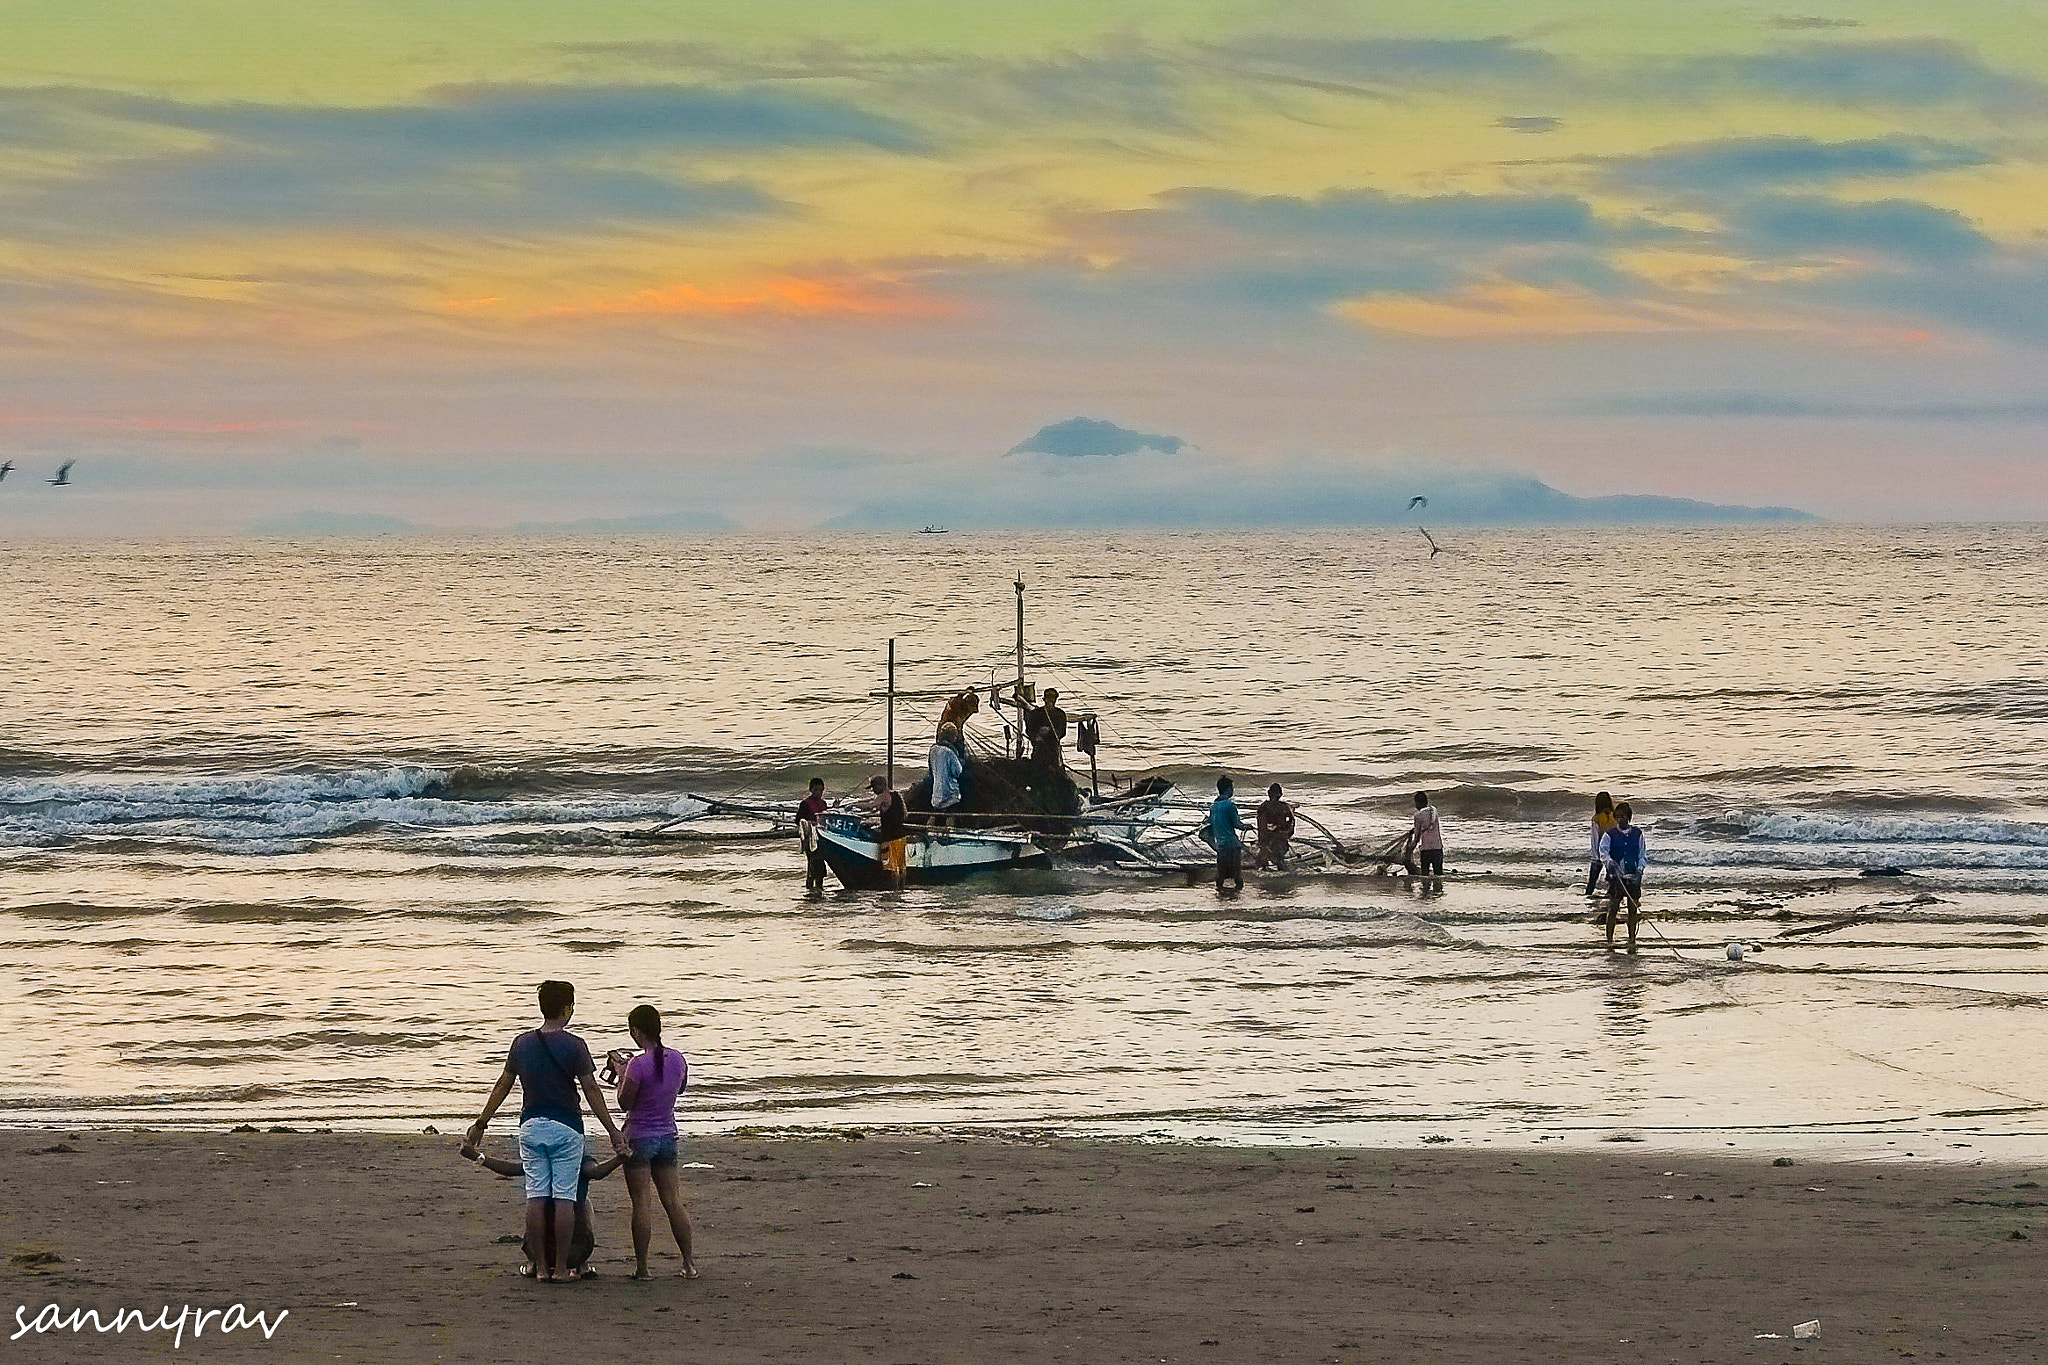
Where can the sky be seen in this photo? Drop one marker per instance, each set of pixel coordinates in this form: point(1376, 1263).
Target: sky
point(490, 261)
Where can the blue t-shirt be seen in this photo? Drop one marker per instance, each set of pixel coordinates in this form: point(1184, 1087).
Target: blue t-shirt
point(548, 1066)
point(1223, 824)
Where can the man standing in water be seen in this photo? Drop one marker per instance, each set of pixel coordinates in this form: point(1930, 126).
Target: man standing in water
point(550, 1063)
point(892, 831)
point(1428, 837)
point(1623, 849)
point(809, 812)
point(1276, 830)
point(1222, 833)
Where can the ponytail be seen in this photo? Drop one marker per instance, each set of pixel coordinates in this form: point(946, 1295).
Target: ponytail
point(646, 1021)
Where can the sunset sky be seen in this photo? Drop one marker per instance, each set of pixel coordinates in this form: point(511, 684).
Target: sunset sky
point(477, 261)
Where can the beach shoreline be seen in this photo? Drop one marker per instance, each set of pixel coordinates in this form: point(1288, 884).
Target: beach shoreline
point(900, 1247)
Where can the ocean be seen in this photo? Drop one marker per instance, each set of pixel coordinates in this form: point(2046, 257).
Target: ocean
point(290, 831)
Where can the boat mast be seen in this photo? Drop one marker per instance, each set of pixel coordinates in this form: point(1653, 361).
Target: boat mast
point(1020, 664)
point(892, 714)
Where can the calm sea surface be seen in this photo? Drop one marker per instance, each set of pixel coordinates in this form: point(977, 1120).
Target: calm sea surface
point(290, 830)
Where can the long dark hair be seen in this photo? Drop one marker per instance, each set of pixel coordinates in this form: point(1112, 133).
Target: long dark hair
point(645, 1020)
point(1602, 802)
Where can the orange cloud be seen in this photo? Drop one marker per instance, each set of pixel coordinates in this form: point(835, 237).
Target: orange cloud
point(792, 296)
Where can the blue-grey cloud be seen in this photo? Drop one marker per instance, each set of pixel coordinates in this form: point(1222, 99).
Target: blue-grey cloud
point(1360, 214)
point(1080, 437)
point(1402, 62)
point(1902, 228)
point(1723, 165)
point(530, 120)
point(1752, 404)
point(1811, 21)
point(501, 159)
point(1899, 73)
point(1529, 123)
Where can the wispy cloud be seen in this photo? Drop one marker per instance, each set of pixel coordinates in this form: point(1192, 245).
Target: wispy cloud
point(1722, 165)
point(477, 158)
point(1904, 73)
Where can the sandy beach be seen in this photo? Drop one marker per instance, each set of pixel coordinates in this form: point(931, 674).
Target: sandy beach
point(918, 1247)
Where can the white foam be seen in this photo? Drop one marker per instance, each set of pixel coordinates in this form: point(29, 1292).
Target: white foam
point(1888, 829)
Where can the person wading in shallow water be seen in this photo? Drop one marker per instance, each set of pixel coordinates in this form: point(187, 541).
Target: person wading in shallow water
point(550, 1064)
point(892, 831)
point(1276, 830)
point(1221, 830)
point(1603, 820)
point(1625, 853)
point(809, 812)
point(1428, 837)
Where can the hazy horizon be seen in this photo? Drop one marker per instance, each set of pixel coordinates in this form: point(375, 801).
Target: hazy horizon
point(512, 264)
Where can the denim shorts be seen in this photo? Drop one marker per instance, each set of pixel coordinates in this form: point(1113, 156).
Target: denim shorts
point(551, 1159)
point(652, 1151)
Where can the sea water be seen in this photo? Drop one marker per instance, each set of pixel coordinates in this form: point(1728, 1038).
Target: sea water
point(290, 831)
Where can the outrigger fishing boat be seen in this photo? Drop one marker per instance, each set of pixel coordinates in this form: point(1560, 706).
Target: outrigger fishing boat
point(1021, 805)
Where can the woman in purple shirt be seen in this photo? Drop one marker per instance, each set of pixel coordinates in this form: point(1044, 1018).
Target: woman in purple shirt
point(647, 1096)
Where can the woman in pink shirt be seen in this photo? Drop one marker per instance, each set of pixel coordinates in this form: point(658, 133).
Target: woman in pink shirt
point(647, 1097)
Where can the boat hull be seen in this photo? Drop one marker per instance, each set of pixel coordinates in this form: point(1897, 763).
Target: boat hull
point(928, 859)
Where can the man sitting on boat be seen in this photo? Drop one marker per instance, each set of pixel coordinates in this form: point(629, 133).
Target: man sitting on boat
point(947, 765)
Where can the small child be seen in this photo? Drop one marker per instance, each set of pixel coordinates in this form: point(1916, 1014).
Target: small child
point(1623, 851)
point(584, 1239)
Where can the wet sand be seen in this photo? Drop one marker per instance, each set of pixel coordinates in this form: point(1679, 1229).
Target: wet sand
point(910, 1248)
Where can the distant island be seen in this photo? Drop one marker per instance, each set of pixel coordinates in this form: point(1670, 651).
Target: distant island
point(317, 523)
point(651, 523)
point(1088, 474)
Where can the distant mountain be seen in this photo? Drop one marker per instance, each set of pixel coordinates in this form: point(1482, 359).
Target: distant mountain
point(1080, 437)
point(1156, 491)
point(652, 523)
point(317, 523)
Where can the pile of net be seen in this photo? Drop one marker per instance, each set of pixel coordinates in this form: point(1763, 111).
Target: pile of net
point(1007, 793)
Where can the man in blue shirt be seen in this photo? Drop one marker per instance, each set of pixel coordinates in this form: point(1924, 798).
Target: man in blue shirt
point(550, 1063)
point(1625, 853)
point(1221, 832)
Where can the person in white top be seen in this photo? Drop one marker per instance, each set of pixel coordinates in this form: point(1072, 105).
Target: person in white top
point(1428, 837)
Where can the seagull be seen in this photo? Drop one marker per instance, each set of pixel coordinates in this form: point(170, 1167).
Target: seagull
point(1417, 501)
point(63, 479)
point(6, 469)
point(1434, 548)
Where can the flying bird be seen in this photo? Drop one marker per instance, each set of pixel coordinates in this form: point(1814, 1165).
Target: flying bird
point(1434, 548)
point(63, 479)
point(1417, 501)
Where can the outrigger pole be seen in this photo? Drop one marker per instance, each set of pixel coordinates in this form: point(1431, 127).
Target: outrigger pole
point(891, 760)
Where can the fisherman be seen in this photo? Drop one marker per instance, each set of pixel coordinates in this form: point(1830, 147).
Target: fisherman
point(959, 710)
point(1046, 726)
point(891, 831)
point(810, 814)
point(947, 769)
point(1221, 831)
point(1276, 830)
point(1427, 838)
point(1624, 853)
